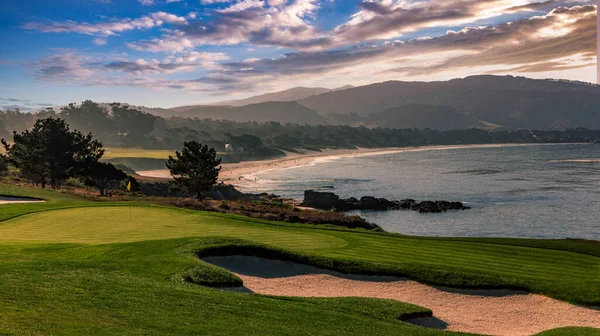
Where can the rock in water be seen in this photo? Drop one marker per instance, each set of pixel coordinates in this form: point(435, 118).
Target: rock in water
point(331, 201)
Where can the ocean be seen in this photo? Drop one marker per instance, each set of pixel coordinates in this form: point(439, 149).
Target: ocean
point(538, 191)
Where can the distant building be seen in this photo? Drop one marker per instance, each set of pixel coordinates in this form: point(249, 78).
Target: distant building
point(231, 148)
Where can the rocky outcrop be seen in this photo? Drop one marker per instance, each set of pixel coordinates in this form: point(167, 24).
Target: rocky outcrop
point(331, 201)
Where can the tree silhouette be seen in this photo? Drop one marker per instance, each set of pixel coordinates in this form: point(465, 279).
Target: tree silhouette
point(196, 168)
point(50, 152)
point(104, 176)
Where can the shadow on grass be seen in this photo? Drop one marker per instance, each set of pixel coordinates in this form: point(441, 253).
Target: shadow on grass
point(482, 292)
point(428, 322)
point(272, 268)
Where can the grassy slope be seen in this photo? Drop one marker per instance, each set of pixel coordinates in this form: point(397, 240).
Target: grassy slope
point(135, 287)
point(113, 153)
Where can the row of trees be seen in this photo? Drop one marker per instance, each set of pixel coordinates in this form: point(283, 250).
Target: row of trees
point(50, 153)
point(123, 126)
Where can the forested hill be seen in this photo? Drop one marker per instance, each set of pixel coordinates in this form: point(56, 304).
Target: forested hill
point(443, 118)
point(122, 126)
point(282, 112)
point(511, 102)
point(293, 94)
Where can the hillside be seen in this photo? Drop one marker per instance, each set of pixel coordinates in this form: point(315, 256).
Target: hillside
point(293, 94)
point(297, 93)
point(423, 116)
point(507, 101)
point(282, 112)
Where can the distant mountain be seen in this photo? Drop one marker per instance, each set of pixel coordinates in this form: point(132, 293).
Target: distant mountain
point(424, 116)
point(508, 101)
point(293, 94)
point(282, 112)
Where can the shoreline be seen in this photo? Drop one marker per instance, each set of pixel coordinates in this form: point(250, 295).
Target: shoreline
point(245, 172)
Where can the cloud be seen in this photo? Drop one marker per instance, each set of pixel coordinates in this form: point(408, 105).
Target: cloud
point(563, 32)
point(556, 39)
point(563, 39)
point(109, 28)
point(210, 2)
point(569, 42)
point(385, 19)
point(271, 23)
point(72, 67)
point(100, 41)
point(289, 24)
point(22, 104)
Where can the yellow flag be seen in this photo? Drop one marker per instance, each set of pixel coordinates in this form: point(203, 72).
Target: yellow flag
point(129, 186)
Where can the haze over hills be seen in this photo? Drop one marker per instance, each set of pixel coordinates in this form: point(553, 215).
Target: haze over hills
point(477, 101)
point(442, 118)
point(282, 112)
point(507, 101)
point(293, 94)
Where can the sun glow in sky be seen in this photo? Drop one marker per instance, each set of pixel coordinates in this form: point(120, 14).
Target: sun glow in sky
point(178, 52)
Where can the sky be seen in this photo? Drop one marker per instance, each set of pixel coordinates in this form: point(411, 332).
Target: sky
point(166, 53)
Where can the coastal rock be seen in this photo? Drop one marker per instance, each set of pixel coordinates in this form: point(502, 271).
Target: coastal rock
point(320, 200)
point(331, 201)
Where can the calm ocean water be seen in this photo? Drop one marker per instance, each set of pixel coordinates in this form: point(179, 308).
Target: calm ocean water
point(547, 191)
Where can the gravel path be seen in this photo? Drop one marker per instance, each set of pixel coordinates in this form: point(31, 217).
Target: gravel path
point(490, 312)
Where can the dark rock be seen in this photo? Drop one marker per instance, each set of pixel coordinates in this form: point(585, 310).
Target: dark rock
point(373, 203)
point(428, 207)
point(331, 201)
point(405, 204)
point(321, 200)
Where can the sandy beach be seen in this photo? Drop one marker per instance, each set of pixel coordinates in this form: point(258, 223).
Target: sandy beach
point(242, 174)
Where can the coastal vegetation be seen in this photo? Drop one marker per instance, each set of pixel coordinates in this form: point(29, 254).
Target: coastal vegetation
point(133, 267)
point(122, 127)
point(195, 169)
point(51, 153)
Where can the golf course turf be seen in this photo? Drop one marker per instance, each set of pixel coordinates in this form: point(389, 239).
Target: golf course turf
point(72, 266)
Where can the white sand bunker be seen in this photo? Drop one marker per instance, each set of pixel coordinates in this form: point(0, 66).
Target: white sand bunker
point(491, 312)
point(11, 200)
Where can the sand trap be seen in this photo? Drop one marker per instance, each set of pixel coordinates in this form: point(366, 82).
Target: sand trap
point(492, 312)
point(11, 200)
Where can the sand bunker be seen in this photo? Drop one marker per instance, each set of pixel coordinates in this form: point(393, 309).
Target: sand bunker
point(492, 312)
point(11, 200)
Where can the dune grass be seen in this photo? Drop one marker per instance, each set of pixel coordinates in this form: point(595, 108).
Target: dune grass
point(70, 266)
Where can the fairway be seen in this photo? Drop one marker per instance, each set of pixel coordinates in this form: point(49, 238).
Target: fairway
point(114, 153)
point(117, 224)
point(122, 266)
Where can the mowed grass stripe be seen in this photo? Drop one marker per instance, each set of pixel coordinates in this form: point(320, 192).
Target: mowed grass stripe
point(551, 263)
point(547, 264)
point(527, 268)
point(100, 225)
point(484, 250)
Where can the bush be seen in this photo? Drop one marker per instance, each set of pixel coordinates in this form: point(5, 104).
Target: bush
point(74, 182)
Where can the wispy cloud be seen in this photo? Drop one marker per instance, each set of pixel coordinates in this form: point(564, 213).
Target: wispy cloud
point(112, 27)
point(563, 39)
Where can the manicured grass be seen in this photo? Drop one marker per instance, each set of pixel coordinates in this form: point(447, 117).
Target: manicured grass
point(100, 225)
point(571, 332)
point(91, 269)
point(113, 153)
